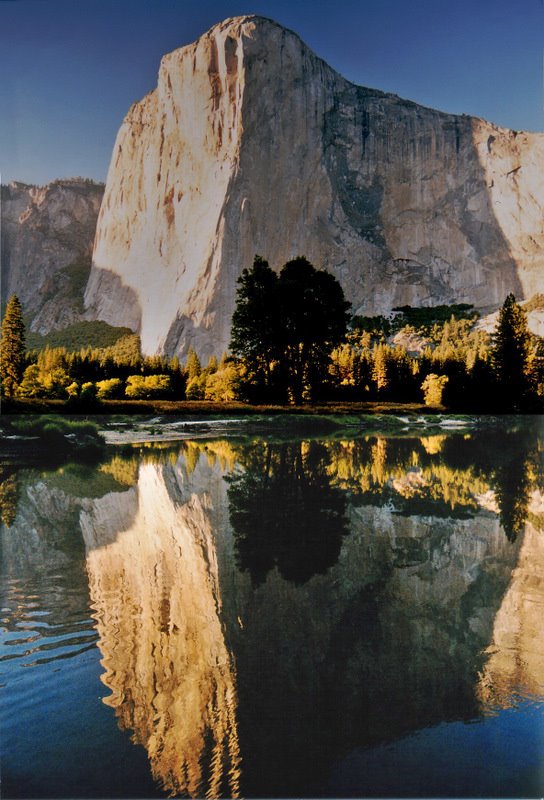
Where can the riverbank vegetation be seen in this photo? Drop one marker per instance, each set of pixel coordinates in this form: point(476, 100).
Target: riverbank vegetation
point(293, 343)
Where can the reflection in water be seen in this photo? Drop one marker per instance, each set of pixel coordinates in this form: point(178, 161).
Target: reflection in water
point(155, 590)
point(513, 488)
point(264, 610)
point(515, 665)
point(8, 495)
point(285, 512)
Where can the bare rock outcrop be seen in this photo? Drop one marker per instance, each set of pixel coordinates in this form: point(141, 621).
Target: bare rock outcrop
point(47, 240)
point(252, 144)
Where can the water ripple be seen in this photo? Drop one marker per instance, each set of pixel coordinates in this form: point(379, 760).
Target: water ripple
point(32, 634)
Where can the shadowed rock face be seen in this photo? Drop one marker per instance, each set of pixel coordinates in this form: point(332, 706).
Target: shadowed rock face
point(47, 239)
point(251, 144)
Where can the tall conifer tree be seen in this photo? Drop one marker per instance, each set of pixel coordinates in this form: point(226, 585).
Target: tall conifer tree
point(12, 347)
point(512, 357)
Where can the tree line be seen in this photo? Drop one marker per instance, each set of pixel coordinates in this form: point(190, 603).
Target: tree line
point(293, 340)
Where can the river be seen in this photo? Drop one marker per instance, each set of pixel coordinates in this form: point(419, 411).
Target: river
point(342, 616)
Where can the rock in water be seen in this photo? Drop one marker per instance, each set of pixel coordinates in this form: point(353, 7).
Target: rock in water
point(251, 144)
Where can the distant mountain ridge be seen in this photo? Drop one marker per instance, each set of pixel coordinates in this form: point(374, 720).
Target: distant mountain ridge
point(47, 240)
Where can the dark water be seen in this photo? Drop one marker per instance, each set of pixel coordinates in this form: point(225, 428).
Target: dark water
point(351, 617)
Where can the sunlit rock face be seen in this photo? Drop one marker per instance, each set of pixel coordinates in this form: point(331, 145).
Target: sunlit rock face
point(251, 144)
point(155, 589)
point(47, 239)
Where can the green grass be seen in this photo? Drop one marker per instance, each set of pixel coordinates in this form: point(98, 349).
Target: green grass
point(54, 435)
point(35, 426)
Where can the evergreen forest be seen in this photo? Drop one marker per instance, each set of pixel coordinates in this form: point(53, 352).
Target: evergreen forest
point(294, 341)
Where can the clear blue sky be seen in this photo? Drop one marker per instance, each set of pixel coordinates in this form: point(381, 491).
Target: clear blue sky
point(70, 69)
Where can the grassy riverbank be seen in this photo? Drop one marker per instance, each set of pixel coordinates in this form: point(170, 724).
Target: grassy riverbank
point(205, 408)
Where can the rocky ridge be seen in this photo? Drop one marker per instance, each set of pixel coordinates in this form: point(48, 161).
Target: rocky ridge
point(47, 239)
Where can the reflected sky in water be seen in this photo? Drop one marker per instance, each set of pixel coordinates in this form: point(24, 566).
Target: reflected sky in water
point(265, 618)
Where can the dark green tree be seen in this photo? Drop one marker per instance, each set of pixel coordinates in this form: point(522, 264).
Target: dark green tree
point(12, 347)
point(255, 324)
point(286, 326)
point(515, 472)
point(313, 317)
point(511, 357)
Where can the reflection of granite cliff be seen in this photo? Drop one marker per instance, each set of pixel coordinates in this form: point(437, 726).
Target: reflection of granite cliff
point(42, 541)
point(43, 591)
point(387, 641)
point(155, 588)
point(515, 664)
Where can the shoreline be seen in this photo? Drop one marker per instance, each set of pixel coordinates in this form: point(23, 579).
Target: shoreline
point(113, 430)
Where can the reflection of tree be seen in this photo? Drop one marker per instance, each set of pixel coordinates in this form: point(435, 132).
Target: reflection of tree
point(285, 512)
point(508, 459)
point(9, 491)
point(512, 492)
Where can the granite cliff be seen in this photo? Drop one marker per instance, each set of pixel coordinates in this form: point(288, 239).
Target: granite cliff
point(47, 240)
point(252, 144)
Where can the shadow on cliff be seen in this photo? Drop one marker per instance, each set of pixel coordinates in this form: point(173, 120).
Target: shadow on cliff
point(378, 144)
point(103, 285)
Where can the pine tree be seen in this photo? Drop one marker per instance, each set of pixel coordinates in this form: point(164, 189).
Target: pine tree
point(254, 333)
point(380, 374)
point(12, 347)
point(512, 357)
point(192, 366)
point(285, 327)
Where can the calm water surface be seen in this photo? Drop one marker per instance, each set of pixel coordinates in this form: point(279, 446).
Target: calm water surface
point(316, 618)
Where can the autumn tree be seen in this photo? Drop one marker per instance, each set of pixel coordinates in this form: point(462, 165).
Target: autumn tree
point(433, 387)
point(192, 366)
point(12, 347)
